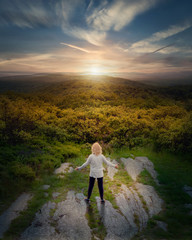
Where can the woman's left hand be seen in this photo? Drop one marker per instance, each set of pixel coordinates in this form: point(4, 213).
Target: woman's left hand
point(76, 168)
point(116, 166)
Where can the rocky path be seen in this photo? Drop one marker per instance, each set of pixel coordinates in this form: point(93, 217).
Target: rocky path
point(67, 218)
point(13, 212)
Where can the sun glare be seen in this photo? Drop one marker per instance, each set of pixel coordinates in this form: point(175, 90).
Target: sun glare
point(96, 71)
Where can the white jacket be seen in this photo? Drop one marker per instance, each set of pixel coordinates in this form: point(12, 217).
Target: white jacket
point(96, 165)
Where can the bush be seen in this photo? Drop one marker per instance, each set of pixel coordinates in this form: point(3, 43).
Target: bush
point(22, 171)
point(48, 166)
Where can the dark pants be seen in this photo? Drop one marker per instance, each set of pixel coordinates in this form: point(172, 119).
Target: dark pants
point(91, 185)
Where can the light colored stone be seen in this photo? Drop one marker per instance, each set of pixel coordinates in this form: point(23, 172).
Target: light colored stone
point(55, 194)
point(131, 206)
point(116, 225)
point(162, 225)
point(148, 165)
point(152, 200)
point(61, 176)
point(13, 212)
point(45, 187)
point(132, 167)
point(68, 221)
point(62, 169)
point(135, 166)
point(41, 229)
point(127, 212)
point(71, 169)
point(70, 217)
point(111, 171)
point(96, 238)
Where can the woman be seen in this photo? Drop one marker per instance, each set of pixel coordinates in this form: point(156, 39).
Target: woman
point(96, 160)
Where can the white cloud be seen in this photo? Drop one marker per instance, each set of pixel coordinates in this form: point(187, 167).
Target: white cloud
point(94, 37)
point(98, 21)
point(77, 18)
point(153, 43)
point(66, 13)
point(169, 32)
point(119, 14)
point(76, 47)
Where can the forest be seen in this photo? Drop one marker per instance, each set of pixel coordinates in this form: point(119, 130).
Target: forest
point(47, 118)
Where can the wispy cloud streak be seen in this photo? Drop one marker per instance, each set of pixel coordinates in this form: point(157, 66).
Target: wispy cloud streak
point(75, 47)
point(159, 36)
point(159, 49)
point(26, 13)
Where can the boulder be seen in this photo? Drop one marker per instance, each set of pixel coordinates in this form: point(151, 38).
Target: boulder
point(62, 169)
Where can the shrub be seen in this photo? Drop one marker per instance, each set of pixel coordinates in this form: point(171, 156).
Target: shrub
point(22, 171)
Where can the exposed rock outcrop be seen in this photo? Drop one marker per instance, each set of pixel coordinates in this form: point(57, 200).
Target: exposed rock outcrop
point(41, 228)
point(68, 220)
point(132, 208)
point(13, 212)
point(151, 198)
point(116, 225)
point(135, 166)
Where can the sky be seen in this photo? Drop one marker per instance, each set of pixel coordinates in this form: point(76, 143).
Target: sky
point(130, 38)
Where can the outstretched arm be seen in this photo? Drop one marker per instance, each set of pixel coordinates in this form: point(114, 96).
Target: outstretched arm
point(109, 163)
point(84, 164)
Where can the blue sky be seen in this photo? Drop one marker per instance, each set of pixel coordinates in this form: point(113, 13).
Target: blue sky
point(132, 38)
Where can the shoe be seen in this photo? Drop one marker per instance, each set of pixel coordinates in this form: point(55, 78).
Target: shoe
point(102, 201)
point(87, 200)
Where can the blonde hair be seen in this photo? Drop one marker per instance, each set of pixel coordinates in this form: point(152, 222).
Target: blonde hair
point(96, 148)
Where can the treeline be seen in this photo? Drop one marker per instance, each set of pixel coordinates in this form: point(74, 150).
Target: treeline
point(114, 111)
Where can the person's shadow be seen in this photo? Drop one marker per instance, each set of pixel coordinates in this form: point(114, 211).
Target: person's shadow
point(90, 214)
point(92, 218)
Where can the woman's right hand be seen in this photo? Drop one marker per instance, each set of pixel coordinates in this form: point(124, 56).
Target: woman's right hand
point(116, 166)
point(77, 168)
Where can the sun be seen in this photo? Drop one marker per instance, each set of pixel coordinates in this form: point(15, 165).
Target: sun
point(96, 71)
